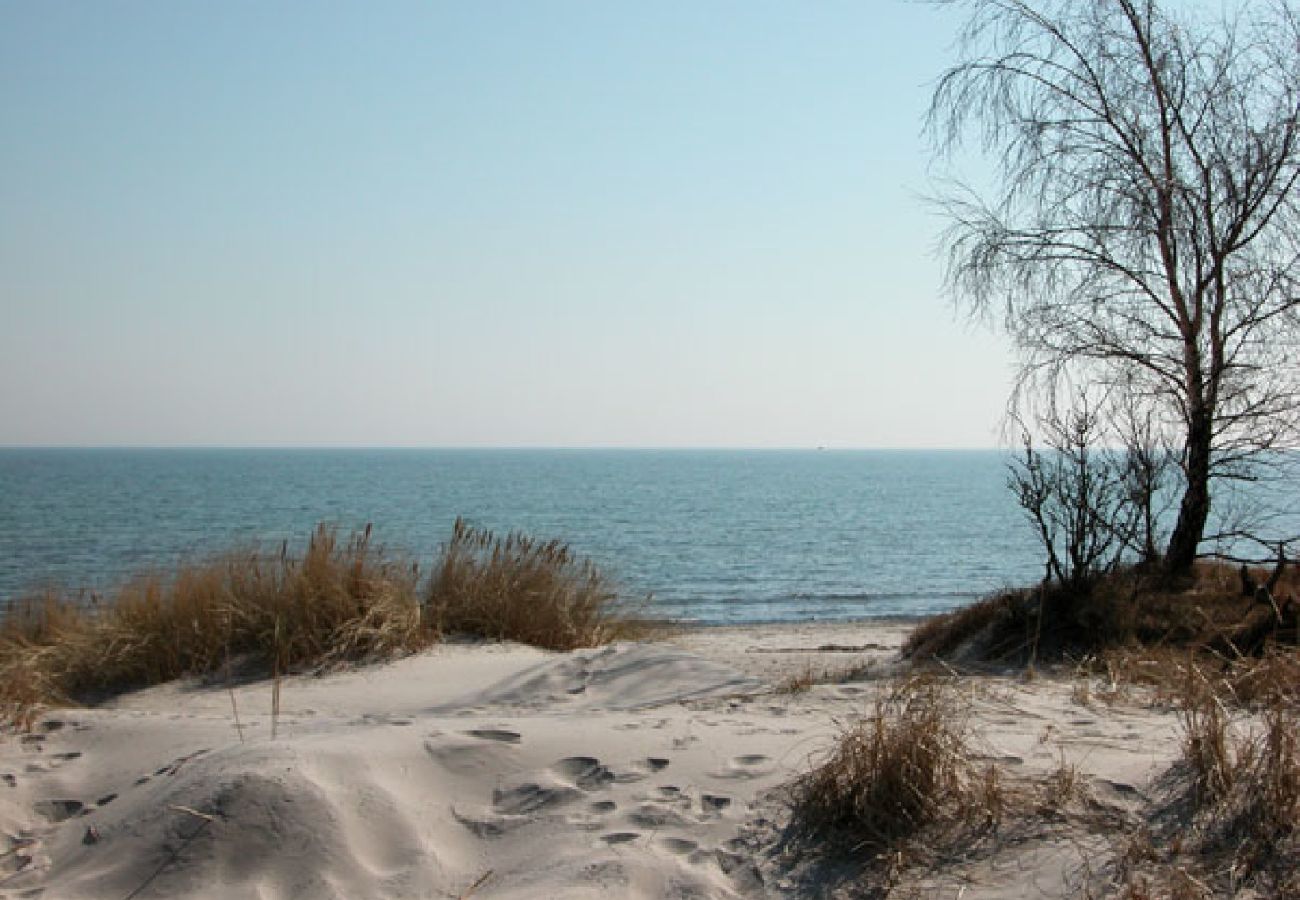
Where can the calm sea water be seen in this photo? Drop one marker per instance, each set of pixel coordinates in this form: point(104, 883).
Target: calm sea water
point(716, 536)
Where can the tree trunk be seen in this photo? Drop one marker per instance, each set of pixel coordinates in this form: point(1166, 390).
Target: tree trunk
point(1195, 508)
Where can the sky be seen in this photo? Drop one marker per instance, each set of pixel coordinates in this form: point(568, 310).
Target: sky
point(561, 224)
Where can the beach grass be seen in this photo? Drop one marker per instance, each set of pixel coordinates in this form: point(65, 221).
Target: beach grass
point(892, 774)
point(1231, 824)
point(516, 587)
point(339, 600)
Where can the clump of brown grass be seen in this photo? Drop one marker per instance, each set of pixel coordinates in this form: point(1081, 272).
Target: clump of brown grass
point(1207, 750)
point(1061, 786)
point(521, 589)
point(1245, 789)
point(1273, 677)
point(903, 768)
point(1232, 821)
point(799, 682)
point(339, 600)
point(803, 680)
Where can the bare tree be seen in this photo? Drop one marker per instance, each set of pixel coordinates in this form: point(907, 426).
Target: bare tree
point(1144, 229)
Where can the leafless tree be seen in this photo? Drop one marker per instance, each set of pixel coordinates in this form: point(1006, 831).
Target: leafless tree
point(1144, 226)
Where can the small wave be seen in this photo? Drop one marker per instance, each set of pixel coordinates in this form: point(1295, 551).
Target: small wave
point(868, 596)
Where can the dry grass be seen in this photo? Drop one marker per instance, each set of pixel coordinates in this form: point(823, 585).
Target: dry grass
point(277, 613)
point(809, 676)
point(890, 776)
point(1061, 787)
point(1229, 825)
point(1127, 609)
point(522, 589)
point(1243, 785)
point(337, 601)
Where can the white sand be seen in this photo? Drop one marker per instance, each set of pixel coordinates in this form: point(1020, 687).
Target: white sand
point(502, 771)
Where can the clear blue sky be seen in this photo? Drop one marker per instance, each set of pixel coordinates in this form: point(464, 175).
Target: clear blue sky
point(534, 223)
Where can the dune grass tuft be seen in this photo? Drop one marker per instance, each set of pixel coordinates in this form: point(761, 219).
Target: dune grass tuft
point(1229, 824)
point(522, 589)
point(889, 776)
point(1243, 785)
point(339, 600)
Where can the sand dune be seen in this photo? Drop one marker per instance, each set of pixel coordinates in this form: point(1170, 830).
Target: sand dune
point(636, 770)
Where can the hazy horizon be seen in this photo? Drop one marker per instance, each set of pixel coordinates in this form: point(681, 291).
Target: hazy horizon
point(684, 448)
point(461, 225)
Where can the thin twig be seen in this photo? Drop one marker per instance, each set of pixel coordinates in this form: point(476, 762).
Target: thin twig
point(175, 854)
point(482, 879)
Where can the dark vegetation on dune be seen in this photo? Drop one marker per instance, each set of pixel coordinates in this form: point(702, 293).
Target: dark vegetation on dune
point(339, 600)
point(1214, 612)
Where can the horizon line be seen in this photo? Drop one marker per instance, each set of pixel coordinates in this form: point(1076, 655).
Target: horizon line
point(829, 448)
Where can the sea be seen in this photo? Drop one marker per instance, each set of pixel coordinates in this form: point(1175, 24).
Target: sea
point(709, 536)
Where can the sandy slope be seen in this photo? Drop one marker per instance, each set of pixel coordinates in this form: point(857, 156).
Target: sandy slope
point(502, 771)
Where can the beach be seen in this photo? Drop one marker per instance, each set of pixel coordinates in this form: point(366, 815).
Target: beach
point(494, 770)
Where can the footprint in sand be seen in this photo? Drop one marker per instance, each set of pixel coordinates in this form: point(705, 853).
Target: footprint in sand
point(602, 807)
point(487, 824)
point(751, 765)
point(657, 815)
point(496, 734)
point(584, 771)
point(9, 779)
point(54, 761)
point(678, 846)
point(620, 837)
point(530, 798)
point(714, 803)
point(381, 719)
point(59, 810)
point(642, 768)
